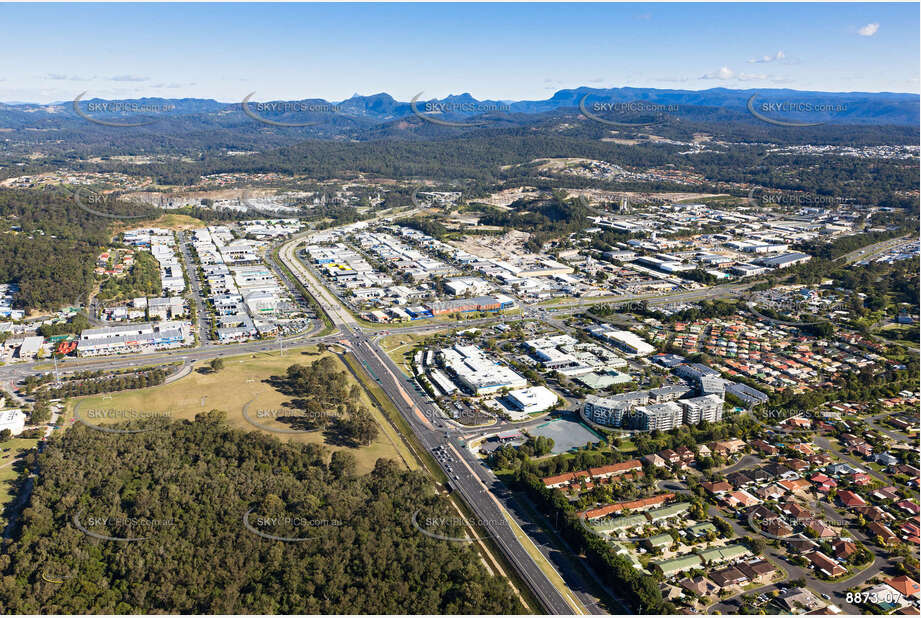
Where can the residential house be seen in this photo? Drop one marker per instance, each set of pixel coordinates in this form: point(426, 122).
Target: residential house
point(909, 507)
point(780, 471)
point(823, 483)
point(849, 499)
point(872, 513)
point(911, 532)
point(770, 492)
point(738, 498)
point(795, 600)
point(886, 459)
point(763, 447)
point(886, 493)
point(800, 544)
point(800, 486)
point(844, 549)
point(717, 487)
point(874, 528)
point(864, 450)
point(761, 513)
point(758, 475)
point(730, 576)
point(820, 459)
point(724, 448)
point(777, 529)
point(841, 469)
point(758, 571)
point(905, 585)
point(686, 455)
point(797, 465)
point(797, 512)
point(700, 585)
point(821, 529)
point(739, 479)
point(824, 564)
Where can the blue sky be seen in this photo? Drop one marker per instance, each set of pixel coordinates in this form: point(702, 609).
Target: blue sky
point(52, 52)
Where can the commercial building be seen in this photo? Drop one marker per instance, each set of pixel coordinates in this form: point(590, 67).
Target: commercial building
point(565, 354)
point(477, 372)
point(466, 285)
point(498, 302)
point(743, 269)
point(145, 337)
point(30, 347)
point(261, 303)
point(596, 381)
point(532, 400)
point(165, 308)
point(784, 260)
point(622, 339)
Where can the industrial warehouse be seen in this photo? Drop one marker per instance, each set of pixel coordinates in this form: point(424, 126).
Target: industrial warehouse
point(145, 337)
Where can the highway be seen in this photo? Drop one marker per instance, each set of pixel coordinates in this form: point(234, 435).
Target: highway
point(433, 433)
point(462, 469)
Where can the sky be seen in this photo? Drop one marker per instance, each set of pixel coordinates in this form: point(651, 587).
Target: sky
point(53, 52)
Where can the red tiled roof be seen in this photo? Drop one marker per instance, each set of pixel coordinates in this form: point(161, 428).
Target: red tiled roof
point(905, 585)
point(626, 506)
point(849, 498)
point(633, 464)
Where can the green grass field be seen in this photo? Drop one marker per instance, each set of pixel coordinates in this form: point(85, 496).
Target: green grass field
point(9, 470)
point(241, 381)
point(399, 348)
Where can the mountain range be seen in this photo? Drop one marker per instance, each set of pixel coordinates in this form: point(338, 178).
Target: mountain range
point(884, 108)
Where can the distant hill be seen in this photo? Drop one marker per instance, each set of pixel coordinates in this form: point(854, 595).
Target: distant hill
point(58, 133)
point(849, 107)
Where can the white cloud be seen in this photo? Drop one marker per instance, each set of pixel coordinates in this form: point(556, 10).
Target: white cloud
point(70, 78)
point(764, 59)
point(723, 73)
point(128, 78)
point(869, 29)
point(173, 85)
point(726, 74)
point(747, 77)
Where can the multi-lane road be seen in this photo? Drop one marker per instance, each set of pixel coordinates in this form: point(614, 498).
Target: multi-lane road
point(465, 474)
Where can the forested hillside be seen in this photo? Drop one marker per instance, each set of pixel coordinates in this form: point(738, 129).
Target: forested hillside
point(185, 487)
point(48, 246)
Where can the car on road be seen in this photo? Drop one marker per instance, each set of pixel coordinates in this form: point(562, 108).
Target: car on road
point(826, 596)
